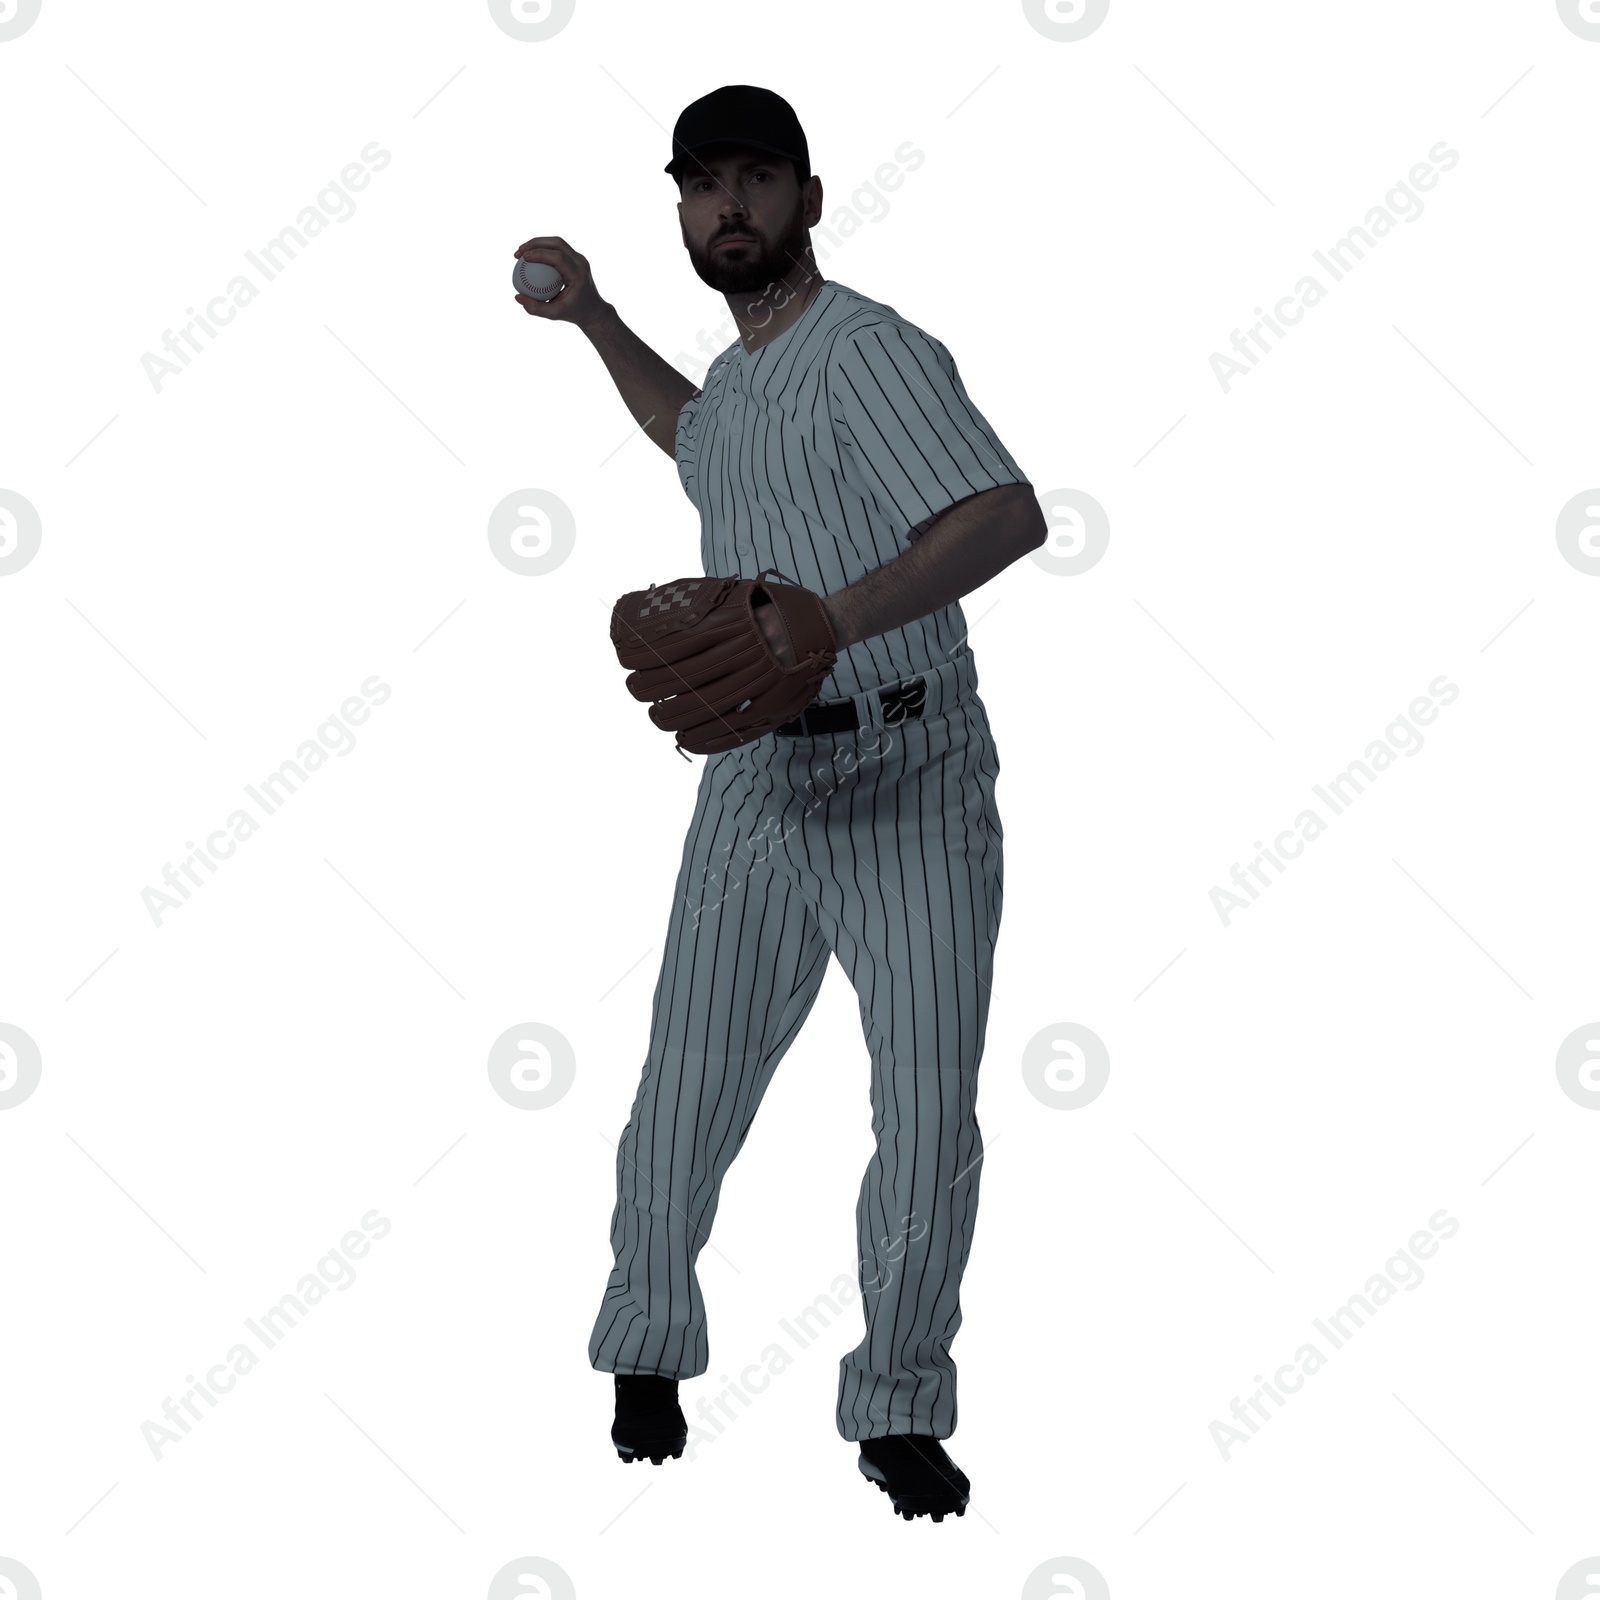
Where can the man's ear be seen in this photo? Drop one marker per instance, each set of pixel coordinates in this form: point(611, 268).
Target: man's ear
point(813, 200)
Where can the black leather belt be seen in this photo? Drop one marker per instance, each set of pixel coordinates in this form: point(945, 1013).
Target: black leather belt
point(840, 716)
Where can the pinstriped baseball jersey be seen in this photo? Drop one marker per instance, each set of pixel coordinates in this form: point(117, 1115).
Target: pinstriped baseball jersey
point(825, 451)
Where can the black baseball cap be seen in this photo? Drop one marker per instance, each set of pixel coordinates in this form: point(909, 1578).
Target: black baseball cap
point(738, 113)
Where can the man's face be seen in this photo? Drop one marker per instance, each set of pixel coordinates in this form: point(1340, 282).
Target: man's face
point(744, 195)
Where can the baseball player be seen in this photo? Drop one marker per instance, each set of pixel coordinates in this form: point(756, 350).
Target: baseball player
point(847, 803)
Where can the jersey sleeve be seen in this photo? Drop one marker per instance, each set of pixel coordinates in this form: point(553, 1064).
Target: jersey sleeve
point(909, 438)
point(686, 442)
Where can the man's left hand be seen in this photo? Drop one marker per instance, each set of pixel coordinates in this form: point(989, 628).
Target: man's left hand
point(770, 622)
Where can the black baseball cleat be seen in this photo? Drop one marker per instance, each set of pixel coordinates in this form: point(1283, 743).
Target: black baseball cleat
point(916, 1474)
point(649, 1420)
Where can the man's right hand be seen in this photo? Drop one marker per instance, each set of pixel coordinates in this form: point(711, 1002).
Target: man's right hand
point(579, 301)
point(653, 390)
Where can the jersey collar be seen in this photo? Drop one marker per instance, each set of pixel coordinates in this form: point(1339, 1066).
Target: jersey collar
point(748, 358)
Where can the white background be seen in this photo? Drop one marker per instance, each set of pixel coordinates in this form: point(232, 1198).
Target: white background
point(224, 1096)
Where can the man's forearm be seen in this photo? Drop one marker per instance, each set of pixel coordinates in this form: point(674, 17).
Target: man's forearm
point(961, 549)
point(652, 389)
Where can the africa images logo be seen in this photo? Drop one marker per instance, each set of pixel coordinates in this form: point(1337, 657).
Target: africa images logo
point(1403, 1270)
point(1401, 204)
point(1401, 738)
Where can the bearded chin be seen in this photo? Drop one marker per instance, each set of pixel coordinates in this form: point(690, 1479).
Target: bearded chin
point(751, 273)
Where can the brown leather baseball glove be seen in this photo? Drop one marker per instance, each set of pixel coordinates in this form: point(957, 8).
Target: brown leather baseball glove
point(694, 648)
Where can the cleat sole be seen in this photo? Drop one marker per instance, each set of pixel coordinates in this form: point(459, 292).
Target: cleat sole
point(654, 1457)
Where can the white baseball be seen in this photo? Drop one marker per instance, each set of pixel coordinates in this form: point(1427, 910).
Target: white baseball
point(536, 279)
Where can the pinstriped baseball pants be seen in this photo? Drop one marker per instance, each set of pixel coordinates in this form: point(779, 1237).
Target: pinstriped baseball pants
point(882, 846)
